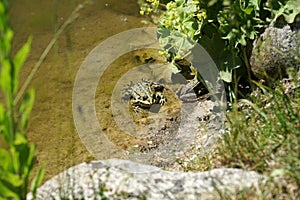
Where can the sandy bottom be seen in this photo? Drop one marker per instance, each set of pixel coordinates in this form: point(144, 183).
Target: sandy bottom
point(51, 124)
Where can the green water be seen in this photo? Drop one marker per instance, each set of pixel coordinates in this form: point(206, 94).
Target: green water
point(51, 124)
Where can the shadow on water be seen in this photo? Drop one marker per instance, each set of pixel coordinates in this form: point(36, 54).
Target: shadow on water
point(51, 124)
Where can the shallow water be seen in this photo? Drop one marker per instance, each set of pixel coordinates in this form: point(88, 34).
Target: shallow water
point(51, 124)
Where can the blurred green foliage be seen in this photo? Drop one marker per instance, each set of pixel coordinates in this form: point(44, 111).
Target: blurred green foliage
point(17, 156)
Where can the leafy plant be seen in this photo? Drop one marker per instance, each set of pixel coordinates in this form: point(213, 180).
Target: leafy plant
point(225, 28)
point(17, 156)
point(265, 137)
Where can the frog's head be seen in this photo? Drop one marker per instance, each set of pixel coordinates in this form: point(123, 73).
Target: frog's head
point(157, 87)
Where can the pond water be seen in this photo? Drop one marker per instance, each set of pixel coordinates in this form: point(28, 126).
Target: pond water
point(51, 124)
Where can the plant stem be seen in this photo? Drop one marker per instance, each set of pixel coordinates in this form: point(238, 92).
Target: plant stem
point(71, 18)
point(246, 61)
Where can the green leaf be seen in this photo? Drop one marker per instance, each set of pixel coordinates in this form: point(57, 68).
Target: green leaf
point(255, 3)
point(6, 161)
point(2, 114)
point(174, 68)
point(248, 10)
point(36, 182)
point(238, 23)
point(7, 193)
point(2, 8)
point(175, 42)
point(4, 125)
point(226, 75)
point(179, 2)
point(21, 153)
point(2, 118)
point(290, 10)
point(30, 159)
point(8, 35)
point(20, 140)
point(19, 60)
point(25, 108)
point(15, 156)
point(5, 77)
point(9, 179)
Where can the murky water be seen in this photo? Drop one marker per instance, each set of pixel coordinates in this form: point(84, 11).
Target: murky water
point(51, 124)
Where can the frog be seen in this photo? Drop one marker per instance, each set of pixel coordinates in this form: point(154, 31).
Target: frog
point(143, 94)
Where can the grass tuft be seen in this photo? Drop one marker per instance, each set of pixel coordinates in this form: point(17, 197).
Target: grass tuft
point(264, 137)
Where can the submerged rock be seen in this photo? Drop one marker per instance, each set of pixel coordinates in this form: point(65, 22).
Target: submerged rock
point(122, 179)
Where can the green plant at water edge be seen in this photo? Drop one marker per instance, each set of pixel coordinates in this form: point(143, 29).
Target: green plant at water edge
point(265, 137)
point(225, 28)
point(17, 156)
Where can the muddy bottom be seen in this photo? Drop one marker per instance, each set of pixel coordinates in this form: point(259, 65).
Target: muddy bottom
point(51, 124)
point(122, 125)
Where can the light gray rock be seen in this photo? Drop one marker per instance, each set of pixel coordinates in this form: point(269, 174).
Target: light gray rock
point(122, 179)
point(277, 49)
